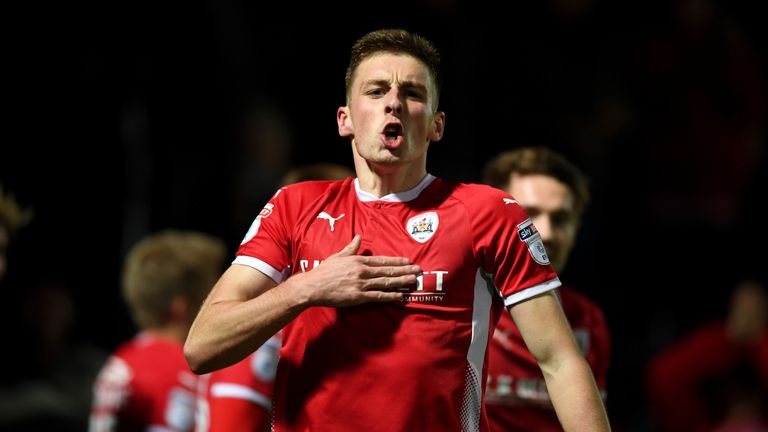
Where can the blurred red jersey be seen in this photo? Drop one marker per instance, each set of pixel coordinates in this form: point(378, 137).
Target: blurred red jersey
point(239, 398)
point(413, 365)
point(146, 385)
point(516, 396)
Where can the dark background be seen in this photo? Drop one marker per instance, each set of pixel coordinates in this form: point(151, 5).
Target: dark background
point(127, 118)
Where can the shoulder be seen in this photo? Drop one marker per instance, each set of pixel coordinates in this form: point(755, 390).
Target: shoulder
point(483, 201)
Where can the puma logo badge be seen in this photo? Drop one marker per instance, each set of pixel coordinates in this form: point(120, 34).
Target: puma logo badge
point(331, 220)
point(509, 201)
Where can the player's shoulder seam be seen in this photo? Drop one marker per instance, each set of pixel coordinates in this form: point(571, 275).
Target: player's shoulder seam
point(482, 199)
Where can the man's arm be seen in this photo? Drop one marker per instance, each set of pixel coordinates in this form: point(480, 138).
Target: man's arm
point(246, 307)
point(569, 380)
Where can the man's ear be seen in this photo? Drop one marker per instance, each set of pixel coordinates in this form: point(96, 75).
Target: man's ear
point(346, 129)
point(438, 127)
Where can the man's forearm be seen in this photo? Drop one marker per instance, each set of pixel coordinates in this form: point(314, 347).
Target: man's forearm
point(228, 331)
point(576, 398)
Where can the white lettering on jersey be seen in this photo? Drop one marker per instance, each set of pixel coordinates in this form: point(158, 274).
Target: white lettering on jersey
point(331, 220)
point(510, 390)
point(305, 264)
point(422, 227)
point(429, 287)
point(436, 283)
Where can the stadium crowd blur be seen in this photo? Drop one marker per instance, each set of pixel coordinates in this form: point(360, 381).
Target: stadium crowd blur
point(186, 116)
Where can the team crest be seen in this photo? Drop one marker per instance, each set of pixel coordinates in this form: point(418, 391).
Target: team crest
point(530, 235)
point(423, 226)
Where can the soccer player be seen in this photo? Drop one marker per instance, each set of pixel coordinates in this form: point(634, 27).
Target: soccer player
point(238, 398)
point(554, 193)
point(146, 384)
point(389, 285)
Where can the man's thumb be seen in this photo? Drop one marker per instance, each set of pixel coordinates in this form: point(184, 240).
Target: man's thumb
point(351, 248)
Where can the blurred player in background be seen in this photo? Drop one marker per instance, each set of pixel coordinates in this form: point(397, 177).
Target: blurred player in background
point(147, 385)
point(554, 193)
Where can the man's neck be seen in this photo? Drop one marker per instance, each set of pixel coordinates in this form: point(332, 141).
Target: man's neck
point(381, 184)
point(170, 332)
point(381, 180)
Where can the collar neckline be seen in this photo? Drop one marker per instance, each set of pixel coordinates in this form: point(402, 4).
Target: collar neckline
point(404, 196)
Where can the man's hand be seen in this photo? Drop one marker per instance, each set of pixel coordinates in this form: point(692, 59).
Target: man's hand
point(346, 279)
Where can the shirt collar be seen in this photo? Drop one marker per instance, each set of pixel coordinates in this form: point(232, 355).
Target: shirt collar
point(404, 196)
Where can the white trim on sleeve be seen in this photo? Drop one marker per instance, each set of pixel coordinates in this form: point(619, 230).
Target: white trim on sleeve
point(261, 266)
point(532, 291)
point(237, 391)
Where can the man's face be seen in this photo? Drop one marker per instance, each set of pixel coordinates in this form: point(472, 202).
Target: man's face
point(389, 112)
point(550, 205)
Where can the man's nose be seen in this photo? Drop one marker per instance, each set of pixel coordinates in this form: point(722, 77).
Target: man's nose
point(394, 104)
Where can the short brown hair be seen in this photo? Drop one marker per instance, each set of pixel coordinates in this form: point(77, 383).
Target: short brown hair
point(167, 264)
point(538, 160)
point(395, 41)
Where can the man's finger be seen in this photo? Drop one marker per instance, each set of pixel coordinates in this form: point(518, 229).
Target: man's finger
point(379, 261)
point(391, 271)
point(390, 283)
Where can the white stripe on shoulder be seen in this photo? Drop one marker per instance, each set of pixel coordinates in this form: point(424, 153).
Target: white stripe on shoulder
point(261, 266)
point(237, 391)
point(532, 291)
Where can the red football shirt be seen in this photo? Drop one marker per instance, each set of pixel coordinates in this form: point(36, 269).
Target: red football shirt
point(418, 364)
point(516, 395)
point(239, 398)
point(146, 385)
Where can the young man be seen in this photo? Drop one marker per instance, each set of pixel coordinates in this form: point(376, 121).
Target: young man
point(395, 276)
point(146, 384)
point(554, 193)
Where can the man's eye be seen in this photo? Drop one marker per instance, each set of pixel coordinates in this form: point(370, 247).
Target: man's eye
point(532, 212)
point(562, 219)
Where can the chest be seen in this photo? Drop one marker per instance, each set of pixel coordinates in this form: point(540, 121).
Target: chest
point(439, 239)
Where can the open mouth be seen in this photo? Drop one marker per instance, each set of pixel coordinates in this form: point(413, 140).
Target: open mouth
point(393, 131)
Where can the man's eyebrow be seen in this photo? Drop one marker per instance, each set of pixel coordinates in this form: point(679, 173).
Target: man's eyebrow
point(408, 85)
point(376, 82)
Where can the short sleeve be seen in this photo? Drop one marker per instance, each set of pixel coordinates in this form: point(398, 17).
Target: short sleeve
point(266, 245)
point(510, 248)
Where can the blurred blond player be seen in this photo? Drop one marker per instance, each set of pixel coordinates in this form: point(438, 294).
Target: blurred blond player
point(239, 398)
point(146, 385)
point(554, 193)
